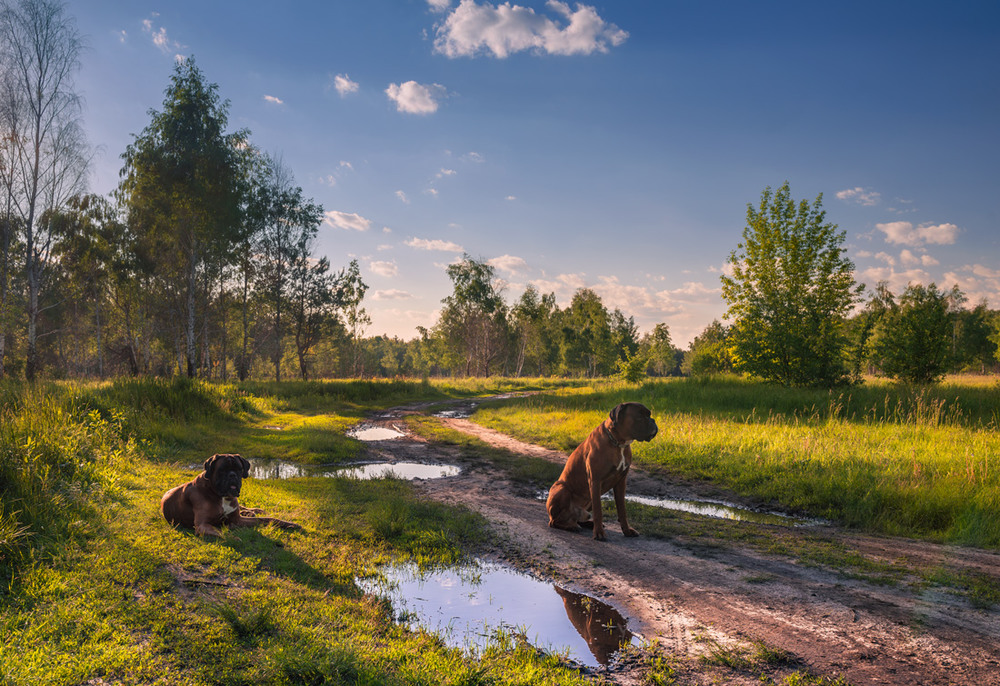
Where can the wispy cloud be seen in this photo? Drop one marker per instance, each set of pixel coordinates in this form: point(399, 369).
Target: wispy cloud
point(415, 98)
point(500, 30)
point(439, 245)
point(510, 264)
point(439, 5)
point(904, 233)
point(347, 220)
point(392, 294)
point(402, 197)
point(344, 85)
point(273, 100)
point(861, 196)
point(159, 36)
point(384, 268)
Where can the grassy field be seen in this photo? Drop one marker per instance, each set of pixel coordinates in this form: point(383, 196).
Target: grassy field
point(94, 585)
point(916, 462)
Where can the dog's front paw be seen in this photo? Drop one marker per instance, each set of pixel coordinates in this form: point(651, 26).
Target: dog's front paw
point(630, 532)
point(599, 535)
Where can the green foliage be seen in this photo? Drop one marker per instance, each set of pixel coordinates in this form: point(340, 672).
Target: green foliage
point(472, 329)
point(790, 290)
point(708, 352)
point(633, 368)
point(912, 340)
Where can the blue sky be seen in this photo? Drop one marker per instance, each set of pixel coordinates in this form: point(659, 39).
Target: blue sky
point(612, 145)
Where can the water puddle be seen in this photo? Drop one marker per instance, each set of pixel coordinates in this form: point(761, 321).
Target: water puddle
point(409, 471)
point(462, 412)
point(466, 606)
point(368, 432)
point(721, 510)
point(716, 509)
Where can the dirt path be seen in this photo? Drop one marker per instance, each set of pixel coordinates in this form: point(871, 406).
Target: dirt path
point(690, 598)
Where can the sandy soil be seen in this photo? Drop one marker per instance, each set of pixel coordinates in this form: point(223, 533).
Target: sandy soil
point(687, 599)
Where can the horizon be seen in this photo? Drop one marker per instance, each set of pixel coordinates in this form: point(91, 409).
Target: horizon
point(603, 145)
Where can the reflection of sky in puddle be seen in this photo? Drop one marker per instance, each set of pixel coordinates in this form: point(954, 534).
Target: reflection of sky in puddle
point(465, 606)
point(461, 412)
point(279, 469)
point(720, 510)
point(367, 432)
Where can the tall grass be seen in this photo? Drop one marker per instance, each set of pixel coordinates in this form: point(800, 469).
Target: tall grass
point(58, 467)
point(881, 458)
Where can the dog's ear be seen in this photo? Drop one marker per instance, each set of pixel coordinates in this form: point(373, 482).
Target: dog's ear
point(210, 462)
point(246, 465)
point(615, 412)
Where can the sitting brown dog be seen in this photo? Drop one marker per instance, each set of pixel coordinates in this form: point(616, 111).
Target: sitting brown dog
point(210, 500)
point(599, 464)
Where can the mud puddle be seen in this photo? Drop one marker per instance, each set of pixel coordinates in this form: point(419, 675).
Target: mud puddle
point(370, 432)
point(723, 510)
point(469, 605)
point(409, 471)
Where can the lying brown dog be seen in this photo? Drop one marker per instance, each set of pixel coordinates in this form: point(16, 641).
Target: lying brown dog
point(599, 464)
point(210, 500)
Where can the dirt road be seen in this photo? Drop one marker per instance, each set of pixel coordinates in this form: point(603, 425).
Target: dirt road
point(698, 600)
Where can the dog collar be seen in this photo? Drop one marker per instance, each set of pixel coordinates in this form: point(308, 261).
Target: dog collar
point(618, 444)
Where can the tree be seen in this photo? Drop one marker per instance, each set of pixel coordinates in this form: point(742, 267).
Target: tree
point(314, 298)
point(587, 346)
point(352, 293)
point(974, 347)
point(47, 153)
point(660, 353)
point(708, 353)
point(183, 187)
point(531, 320)
point(913, 340)
point(473, 323)
point(790, 290)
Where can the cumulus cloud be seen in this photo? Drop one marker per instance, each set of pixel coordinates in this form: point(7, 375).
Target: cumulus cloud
point(862, 196)
point(904, 233)
point(344, 85)
point(347, 220)
point(509, 264)
point(402, 196)
point(384, 268)
point(273, 100)
point(438, 245)
point(415, 98)
point(500, 30)
point(439, 5)
point(392, 294)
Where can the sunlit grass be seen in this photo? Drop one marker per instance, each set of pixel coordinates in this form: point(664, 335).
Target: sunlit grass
point(910, 462)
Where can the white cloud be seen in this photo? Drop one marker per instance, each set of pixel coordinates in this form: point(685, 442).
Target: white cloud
point(384, 268)
point(439, 5)
point(886, 257)
point(500, 30)
point(123, 36)
point(344, 85)
point(475, 157)
point(904, 233)
point(415, 98)
point(509, 264)
point(928, 261)
point(346, 165)
point(384, 246)
point(347, 220)
point(908, 259)
point(329, 180)
point(511, 198)
point(159, 36)
point(439, 245)
point(273, 100)
point(862, 196)
point(446, 172)
point(392, 294)
point(402, 196)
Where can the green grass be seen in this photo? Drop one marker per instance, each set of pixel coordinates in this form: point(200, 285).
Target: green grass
point(96, 586)
point(878, 458)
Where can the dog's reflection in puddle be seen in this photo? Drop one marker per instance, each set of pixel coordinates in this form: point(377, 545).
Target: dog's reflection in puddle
point(466, 606)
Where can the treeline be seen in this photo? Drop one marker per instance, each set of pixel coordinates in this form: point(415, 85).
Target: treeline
point(200, 263)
